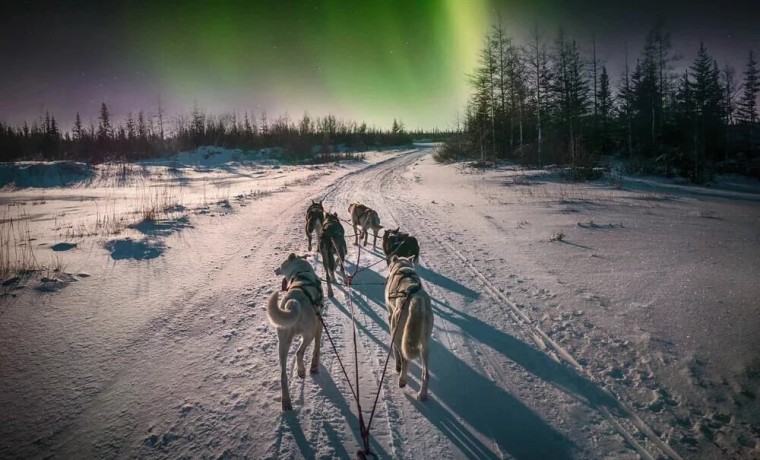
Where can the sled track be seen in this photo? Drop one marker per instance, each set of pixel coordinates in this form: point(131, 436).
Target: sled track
point(386, 178)
point(557, 352)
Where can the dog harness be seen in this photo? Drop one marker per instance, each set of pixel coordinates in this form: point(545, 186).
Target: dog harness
point(400, 275)
point(305, 280)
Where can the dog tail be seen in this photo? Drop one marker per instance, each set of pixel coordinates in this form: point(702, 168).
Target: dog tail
point(413, 330)
point(283, 317)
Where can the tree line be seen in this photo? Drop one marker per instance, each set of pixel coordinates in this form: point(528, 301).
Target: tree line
point(143, 136)
point(539, 103)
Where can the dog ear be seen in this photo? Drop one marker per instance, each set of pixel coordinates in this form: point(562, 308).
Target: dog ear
point(291, 256)
point(394, 258)
point(397, 229)
point(320, 201)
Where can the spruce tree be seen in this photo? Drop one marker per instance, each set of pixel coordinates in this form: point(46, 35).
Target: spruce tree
point(748, 111)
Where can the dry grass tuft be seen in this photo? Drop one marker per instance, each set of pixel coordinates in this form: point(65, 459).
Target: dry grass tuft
point(16, 253)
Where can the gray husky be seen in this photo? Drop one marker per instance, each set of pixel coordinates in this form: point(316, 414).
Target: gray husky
point(297, 315)
point(332, 245)
point(410, 315)
point(314, 217)
point(366, 218)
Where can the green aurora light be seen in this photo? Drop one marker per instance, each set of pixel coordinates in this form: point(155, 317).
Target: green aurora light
point(363, 60)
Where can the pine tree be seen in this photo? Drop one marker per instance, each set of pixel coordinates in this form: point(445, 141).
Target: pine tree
point(78, 131)
point(131, 128)
point(707, 94)
point(483, 100)
point(604, 109)
point(728, 104)
point(569, 93)
point(654, 88)
point(142, 129)
point(540, 76)
point(105, 132)
point(748, 111)
point(160, 117)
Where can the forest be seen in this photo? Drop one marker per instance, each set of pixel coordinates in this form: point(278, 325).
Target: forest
point(542, 103)
point(144, 135)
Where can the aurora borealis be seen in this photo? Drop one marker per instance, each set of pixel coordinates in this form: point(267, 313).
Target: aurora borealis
point(362, 60)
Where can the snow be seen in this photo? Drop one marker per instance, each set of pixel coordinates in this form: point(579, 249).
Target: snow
point(633, 335)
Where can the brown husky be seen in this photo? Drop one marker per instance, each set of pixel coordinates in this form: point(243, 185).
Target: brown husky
point(297, 315)
point(332, 244)
point(366, 218)
point(314, 217)
point(410, 316)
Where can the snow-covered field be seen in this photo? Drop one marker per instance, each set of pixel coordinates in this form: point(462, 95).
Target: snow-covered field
point(612, 319)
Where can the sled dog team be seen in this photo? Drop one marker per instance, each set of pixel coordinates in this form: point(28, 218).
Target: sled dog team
point(410, 313)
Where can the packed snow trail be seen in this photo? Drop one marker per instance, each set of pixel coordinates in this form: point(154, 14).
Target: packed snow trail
point(174, 356)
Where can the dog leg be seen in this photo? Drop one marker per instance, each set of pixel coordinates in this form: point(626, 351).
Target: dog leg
point(284, 340)
point(306, 340)
point(317, 346)
point(404, 368)
point(326, 266)
point(329, 284)
point(308, 235)
point(397, 357)
point(422, 395)
point(356, 235)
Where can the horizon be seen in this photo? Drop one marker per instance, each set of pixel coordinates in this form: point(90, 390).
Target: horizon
point(407, 61)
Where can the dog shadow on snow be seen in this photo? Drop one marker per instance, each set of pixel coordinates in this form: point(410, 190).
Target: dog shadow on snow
point(515, 428)
point(463, 402)
point(333, 394)
point(425, 273)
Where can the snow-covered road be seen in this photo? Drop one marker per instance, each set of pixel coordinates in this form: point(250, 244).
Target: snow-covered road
point(173, 356)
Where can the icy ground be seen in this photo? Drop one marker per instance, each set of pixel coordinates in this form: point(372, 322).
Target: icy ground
point(611, 319)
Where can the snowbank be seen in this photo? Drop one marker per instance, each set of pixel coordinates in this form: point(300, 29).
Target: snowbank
point(43, 174)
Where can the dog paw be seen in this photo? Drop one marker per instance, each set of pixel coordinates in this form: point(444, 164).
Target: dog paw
point(302, 373)
point(421, 396)
point(286, 406)
point(314, 370)
point(401, 383)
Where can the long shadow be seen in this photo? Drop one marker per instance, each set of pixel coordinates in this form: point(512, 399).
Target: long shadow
point(450, 426)
point(435, 278)
point(359, 326)
point(467, 397)
point(532, 360)
point(446, 283)
point(720, 193)
point(460, 393)
point(576, 245)
point(333, 394)
point(291, 420)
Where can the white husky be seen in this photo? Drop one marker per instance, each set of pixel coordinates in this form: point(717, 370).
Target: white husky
point(297, 314)
point(410, 311)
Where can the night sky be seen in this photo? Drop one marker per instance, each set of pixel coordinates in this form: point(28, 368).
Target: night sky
point(359, 59)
